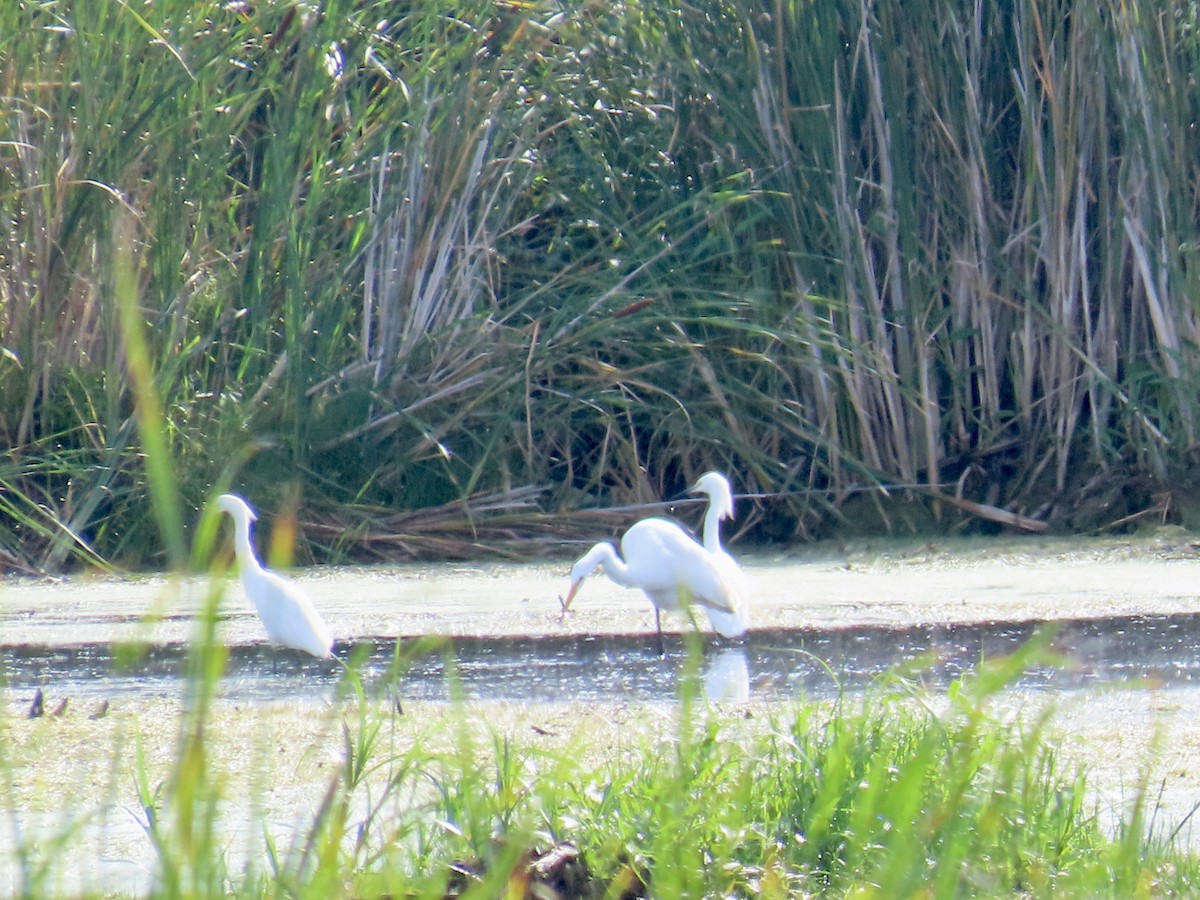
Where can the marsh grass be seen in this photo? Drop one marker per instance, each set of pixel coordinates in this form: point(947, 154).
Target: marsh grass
point(897, 791)
point(421, 257)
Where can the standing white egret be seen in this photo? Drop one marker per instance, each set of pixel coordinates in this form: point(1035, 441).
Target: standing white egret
point(720, 507)
point(672, 569)
point(286, 612)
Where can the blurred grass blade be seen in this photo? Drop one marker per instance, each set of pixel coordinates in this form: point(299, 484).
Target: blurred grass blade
point(160, 470)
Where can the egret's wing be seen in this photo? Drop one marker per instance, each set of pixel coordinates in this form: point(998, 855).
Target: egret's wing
point(668, 561)
point(289, 616)
point(733, 618)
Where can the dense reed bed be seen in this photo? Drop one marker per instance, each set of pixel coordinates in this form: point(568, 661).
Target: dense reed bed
point(501, 261)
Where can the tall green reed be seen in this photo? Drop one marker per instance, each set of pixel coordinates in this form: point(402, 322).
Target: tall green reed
point(986, 250)
point(421, 254)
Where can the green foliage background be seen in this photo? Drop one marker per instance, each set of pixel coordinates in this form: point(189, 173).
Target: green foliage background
point(501, 261)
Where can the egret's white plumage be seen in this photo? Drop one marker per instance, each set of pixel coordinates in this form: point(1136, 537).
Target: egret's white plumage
point(672, 569)
point(287, 614)
point(720, 507)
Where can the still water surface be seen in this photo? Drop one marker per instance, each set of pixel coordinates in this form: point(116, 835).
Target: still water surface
point(1159, 651)
point(829, 621)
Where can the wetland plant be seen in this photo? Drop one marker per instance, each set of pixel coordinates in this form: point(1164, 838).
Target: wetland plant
point(493, 260)
point(896, 792)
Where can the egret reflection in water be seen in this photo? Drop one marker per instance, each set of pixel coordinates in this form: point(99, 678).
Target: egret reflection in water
point(727, 676)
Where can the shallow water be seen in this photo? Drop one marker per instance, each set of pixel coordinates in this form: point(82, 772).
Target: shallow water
point(1136, 650)
point(824, 620)
point(828, 620)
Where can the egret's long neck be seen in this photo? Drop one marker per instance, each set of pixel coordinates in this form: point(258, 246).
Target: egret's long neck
point(604, 555)
point(712, 526)
point(247, 561)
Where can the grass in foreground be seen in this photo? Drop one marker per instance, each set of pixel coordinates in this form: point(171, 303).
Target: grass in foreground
point(890, 794)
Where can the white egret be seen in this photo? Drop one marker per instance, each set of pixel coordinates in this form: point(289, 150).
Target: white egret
point(672, 569)
point(720, 507)
point(286, 612)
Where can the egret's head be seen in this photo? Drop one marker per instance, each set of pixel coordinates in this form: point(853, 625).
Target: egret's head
point(720, 495)
point(577, 577)
point(584, 566)
point(236, 507)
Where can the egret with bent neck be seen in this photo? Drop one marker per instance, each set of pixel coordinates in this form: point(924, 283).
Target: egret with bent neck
point(672, 569)
point(288, 615)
